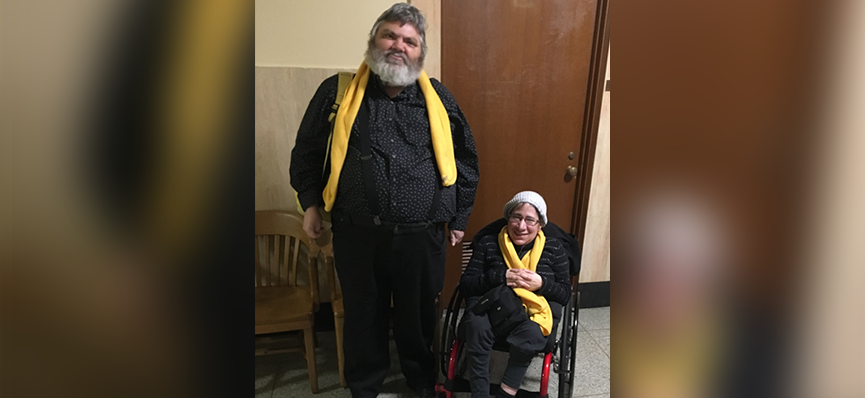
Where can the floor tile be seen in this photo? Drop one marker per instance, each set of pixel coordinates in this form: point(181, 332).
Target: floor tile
point(292, 378)
point(285, 375)
point(265, 376)
point(595, 318)
point(602, 337)
point(591, 376)
point(592, 373)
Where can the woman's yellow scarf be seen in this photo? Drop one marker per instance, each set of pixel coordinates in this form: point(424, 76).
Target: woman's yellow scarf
point(440, 130)
point(537, 306)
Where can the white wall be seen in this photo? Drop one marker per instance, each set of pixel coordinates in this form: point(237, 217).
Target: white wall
point(314, 33)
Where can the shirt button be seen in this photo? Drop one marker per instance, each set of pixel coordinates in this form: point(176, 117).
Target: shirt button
point(394, 156)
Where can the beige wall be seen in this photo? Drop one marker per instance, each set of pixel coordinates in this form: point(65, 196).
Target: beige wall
point(281, 97)
point(596, 243)
point(827, 352)
point(314, 33)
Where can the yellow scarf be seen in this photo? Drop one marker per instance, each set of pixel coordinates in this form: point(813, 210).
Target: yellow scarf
point(440, 131)
point(537, 306)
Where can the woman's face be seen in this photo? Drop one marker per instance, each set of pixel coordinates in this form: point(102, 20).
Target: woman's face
point(523, 224)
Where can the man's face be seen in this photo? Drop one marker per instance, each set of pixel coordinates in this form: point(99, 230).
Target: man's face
point(400, 44)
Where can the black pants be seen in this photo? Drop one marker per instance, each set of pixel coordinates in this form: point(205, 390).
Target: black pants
point(525, 341)
point(375, 264)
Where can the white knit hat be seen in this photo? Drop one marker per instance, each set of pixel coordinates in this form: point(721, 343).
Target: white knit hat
point(532, 198)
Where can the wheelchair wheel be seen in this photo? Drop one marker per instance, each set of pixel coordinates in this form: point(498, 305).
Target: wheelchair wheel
point(449, 329)
point(568, 347)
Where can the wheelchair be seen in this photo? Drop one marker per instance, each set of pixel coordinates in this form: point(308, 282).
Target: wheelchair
point(558, 356)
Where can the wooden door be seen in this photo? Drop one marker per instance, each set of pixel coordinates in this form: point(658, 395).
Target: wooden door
point(521, 72)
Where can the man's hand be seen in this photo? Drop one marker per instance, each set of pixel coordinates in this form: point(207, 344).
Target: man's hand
point(312, 222)
point(455, 237)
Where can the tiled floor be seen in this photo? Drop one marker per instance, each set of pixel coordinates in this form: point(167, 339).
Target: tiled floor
point(285, 375)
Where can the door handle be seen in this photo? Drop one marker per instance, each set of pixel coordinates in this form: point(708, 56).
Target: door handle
point(572, 171)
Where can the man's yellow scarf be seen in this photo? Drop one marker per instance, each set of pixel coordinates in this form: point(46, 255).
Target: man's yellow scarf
point(537, 306)
point(440, 130)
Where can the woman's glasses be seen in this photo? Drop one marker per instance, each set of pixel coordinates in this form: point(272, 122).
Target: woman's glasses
point(516, 218)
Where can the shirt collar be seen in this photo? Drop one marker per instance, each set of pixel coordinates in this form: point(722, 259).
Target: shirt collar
point(411, 90)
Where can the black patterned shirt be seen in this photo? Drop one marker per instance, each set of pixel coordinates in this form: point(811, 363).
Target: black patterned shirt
point(403, 161)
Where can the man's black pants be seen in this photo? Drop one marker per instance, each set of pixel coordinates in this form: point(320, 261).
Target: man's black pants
point(373, 264)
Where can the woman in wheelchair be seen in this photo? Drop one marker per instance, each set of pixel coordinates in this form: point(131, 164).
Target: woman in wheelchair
point(518, 258)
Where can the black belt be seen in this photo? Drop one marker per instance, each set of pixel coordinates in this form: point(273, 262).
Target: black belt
point(375, 222)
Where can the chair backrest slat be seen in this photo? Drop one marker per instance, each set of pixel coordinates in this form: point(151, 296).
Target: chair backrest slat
point(271, 252)
point(284, 271)
point(283, 242)
point(294, 263)
point(257, 262)
point(277, 260)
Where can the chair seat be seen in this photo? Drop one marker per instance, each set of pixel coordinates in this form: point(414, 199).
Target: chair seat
point(280, 304)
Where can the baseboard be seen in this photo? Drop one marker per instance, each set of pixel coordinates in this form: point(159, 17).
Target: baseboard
point(594, 294)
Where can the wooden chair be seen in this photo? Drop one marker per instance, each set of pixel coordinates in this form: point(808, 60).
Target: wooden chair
point(326, 243)
point(281, 303)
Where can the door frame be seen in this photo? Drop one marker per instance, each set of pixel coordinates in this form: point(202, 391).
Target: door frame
point(592, 119)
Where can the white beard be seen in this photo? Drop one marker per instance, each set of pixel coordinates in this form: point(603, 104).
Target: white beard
point(393, 74)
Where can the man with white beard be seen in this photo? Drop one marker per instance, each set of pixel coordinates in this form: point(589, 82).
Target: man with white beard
point(399, 181)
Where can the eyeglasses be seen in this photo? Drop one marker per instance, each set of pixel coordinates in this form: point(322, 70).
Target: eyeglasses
point(516, 218)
